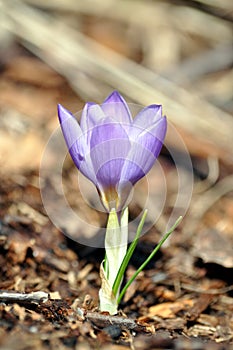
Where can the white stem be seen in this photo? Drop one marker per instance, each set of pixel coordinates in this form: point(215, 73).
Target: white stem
point(116, 240)
point(124, 235)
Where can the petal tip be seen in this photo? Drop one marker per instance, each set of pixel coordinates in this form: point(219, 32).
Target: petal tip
point(115, 96)
point(63, 114)
point(157, 108)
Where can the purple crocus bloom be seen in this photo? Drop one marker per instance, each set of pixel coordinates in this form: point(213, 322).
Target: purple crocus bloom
point(112, 149)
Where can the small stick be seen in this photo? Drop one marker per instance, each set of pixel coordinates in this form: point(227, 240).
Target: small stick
point(7, 296)
point(101, 320)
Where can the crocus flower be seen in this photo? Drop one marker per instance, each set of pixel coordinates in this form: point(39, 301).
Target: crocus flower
point(112, 149)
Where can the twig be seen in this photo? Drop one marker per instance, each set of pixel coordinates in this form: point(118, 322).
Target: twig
point(23, 298)
point(102, 321)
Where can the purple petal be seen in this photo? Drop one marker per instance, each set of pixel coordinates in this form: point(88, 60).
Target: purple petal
point(72, 134)
point(152, 138)
point(115, 107)
point(144, 152)
point(109, 148)
point(146, 118)
point(75, 142)
point(87, 169)
point(92, 115)
point(137, 164)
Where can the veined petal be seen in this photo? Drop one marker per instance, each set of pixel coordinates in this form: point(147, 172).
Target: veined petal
point(92, 115)
point(76, 143)
point(148, 115)
point(152, 138)
point(109, 148)
point(145, 119)
point(115, 107)
point(69, 125)
point(72, 134)
point(144, 152)
point(139, 161)
point(87, 169)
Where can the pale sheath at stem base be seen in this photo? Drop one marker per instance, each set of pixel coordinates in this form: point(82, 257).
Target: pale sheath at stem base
point(116, 241)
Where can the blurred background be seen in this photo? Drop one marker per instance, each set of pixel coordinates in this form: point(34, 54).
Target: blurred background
point(177, 53)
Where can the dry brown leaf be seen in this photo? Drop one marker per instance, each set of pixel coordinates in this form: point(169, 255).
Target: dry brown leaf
point(169, 310)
